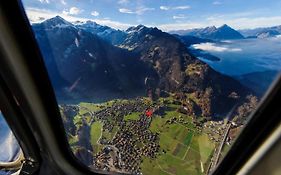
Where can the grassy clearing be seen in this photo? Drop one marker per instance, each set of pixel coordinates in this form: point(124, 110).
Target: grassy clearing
point(149, 167)
point(176, 166)
point(109, 135)
point(201, 149)
point(195, 144)
point(194, 157)
point(96, 131)
point(167, 143)
point(206, 147)
point(188, 138)
point(157, 124)
point(180, 151)
point(171, 114)
point(133, 116)
point(178, 132)
point(176, 139)
point(87, 107)
point(175, 130)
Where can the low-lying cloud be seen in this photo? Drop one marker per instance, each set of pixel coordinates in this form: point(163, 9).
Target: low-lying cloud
point(214, 48)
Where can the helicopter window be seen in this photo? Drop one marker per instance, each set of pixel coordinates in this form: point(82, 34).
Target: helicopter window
point(151, 88)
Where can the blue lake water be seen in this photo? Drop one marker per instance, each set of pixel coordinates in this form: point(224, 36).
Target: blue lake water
point(244, 56)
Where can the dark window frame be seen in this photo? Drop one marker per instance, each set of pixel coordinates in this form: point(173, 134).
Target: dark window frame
point(28, 80)
point(19, 128)
point(38, 108)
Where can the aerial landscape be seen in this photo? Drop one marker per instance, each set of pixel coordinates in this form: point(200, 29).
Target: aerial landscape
point(142, 95)
point(142, 101)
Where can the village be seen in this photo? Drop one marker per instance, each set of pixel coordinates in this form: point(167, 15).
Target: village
point(132, 140)
point(124, 151)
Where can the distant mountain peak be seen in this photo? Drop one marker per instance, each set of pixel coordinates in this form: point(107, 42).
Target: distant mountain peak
point(58, 17)
point(211, 27)
point(141, 26)
point(137, 28)
point(225, 26)
point(56, 21)
point(143, 29)
point(224, 32)
point(93, 25)
point(113, 36)
point(262, 32)
point(89, 22)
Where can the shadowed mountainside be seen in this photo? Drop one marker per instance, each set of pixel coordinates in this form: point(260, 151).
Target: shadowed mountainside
point(84, 66)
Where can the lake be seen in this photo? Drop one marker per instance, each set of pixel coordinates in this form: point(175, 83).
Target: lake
point(244, 56)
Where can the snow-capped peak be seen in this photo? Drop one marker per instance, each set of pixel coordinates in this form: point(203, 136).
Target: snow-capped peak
point(57, 21)
point(136, 29)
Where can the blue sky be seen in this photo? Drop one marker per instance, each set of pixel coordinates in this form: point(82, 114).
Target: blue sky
point(164, 14)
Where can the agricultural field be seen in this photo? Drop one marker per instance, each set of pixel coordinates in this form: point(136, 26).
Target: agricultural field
point(96, 132)
point(185, 150)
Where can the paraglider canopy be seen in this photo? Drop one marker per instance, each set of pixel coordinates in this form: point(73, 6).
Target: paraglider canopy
point(149, 113)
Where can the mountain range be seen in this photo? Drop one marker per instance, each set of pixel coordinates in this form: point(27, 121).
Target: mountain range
point(83, 65)
point(262, 32)
point(224, 32)
point(107, 33)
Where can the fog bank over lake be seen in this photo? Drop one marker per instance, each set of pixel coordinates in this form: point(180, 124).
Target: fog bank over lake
point(244, 56)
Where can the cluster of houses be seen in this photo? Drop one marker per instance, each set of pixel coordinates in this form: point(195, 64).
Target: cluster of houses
point(133, 140)
point(215, 130)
